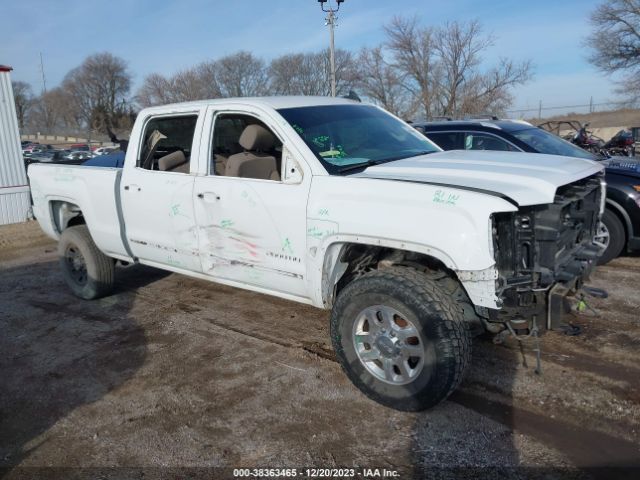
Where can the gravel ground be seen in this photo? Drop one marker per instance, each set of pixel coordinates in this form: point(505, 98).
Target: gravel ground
point(172, 372)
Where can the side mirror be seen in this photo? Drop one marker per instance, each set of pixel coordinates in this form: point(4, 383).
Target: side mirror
point(291, 170)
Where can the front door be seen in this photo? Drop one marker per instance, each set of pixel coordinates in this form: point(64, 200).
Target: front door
point(251, 226)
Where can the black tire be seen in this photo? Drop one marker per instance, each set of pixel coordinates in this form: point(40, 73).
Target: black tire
point(88, 272)
point(617, 237)
point(438, 318)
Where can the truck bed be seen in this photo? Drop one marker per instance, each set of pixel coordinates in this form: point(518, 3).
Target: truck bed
point(95, 190)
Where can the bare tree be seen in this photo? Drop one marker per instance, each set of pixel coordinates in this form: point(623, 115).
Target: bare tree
point(99, 90)
point(52, 112)
point(297, 74)
point(310, 73)
point(155, 90)
point(241, 75)
point(441, 68)
point(490, 92)
point(195, 83)
point(383, 84)
point(413, 51)
point(458, 48)
point(23, 98)
point(615, 42)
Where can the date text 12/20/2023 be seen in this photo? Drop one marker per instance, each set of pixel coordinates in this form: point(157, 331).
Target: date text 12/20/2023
point(315, 473)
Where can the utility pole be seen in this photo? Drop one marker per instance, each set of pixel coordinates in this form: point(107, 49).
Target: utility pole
point(44, 81)
point(331, 23)
point(540, 109)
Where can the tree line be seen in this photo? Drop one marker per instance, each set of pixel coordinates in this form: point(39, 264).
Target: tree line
point(418, 71)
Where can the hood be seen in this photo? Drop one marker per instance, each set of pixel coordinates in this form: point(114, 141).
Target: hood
point(525, 178)
point(623, 166)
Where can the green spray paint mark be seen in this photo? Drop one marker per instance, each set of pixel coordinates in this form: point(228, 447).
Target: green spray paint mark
point(173, 262)
point(440, 196)
point(314, 232)
point(175, 211)
point(286, 246)
point(323, 212)
point(226, 223)
point(248, 198)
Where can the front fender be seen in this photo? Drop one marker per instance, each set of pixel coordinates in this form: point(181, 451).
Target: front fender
point(449, 224)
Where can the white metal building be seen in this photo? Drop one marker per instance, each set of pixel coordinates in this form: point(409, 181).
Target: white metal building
point(14, 189)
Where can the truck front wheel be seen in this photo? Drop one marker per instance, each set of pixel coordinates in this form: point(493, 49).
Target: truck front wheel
point(88, 272)
point(400, 338)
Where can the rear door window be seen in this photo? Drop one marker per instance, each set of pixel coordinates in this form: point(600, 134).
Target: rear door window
point(165, 136)
point(447, 140)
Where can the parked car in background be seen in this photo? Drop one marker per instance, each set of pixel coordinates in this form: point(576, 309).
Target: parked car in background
point(80, 147)
point(620, 227)
point(63, 157)
point(104, 150)
point(33, 148)
point(78, 156)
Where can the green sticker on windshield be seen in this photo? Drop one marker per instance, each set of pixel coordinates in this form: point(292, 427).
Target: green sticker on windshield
point(337, 152)
point(320, 141)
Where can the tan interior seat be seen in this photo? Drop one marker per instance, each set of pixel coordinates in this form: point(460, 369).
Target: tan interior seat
point(254, 162)
point(174, 162)
point(219, 163)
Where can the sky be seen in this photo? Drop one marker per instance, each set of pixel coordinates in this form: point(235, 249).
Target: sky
point(164, 36)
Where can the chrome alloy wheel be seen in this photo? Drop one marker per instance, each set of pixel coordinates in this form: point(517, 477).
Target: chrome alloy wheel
point(388, 345)
point(602, 236)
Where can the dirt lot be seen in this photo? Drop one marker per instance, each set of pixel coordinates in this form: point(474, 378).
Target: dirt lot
point(175, 372)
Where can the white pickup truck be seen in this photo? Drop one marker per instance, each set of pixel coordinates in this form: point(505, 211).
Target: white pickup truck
point(343, 206)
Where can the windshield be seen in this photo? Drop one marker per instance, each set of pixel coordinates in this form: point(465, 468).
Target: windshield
point(545, 142)
point(344, 136)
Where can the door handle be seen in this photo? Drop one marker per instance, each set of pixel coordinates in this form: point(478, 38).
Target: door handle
point(133, 186)
point(208, 196)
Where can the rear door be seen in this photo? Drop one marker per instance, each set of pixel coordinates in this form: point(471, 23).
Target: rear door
point(157, 190)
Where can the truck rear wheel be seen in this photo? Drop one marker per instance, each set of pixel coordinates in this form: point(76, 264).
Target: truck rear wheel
point(400, 338)
point(88, 272)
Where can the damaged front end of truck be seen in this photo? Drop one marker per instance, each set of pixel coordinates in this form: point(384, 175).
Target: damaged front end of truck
point(544, 255)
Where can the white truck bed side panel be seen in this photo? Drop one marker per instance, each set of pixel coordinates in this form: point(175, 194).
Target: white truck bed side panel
point(90, 188)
